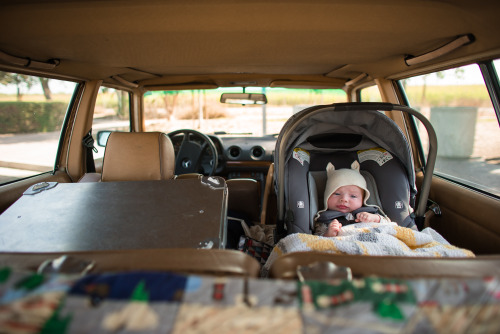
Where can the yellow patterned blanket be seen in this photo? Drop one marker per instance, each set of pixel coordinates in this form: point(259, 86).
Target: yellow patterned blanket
point(371, 239)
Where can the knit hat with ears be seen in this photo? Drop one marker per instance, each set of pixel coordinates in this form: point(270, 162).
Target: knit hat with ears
point(344, 177)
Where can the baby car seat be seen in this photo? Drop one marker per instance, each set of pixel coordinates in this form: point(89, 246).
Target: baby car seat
point(341, 134)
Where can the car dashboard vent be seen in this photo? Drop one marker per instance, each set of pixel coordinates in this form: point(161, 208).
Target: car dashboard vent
point(234, 152)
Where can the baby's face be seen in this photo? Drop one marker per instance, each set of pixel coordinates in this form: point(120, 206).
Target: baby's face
point(346, 199)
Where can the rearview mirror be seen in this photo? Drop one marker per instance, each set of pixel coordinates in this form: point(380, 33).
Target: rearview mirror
point(243, 98)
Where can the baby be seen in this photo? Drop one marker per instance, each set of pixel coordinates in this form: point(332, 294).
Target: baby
point(345, 202)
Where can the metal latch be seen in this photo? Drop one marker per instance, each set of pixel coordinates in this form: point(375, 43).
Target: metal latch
point(434, 207)
point(325, 270)
point(66, 265)
point(39, 187)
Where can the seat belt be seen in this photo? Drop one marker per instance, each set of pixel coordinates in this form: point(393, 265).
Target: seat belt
point(88, 143)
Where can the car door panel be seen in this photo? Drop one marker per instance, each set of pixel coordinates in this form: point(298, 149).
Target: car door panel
point(468, 218)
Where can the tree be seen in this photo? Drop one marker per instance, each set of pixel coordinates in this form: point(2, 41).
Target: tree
point(123, 110)
point(170, 102)
point(46, 89)
point(458, 73)
point(20, 81)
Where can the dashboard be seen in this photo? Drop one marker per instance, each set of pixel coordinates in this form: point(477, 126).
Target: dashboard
point(236, 154)
point(248, 148)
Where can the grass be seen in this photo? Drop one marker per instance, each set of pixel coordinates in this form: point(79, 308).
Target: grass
point(464, 95)
point(36, 98)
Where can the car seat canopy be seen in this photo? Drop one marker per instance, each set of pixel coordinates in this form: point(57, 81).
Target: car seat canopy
point(372, 125)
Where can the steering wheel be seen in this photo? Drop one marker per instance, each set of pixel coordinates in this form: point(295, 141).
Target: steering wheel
point(189, 155)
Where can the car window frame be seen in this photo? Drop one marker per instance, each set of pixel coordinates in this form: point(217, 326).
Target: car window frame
point(492, 84)
point(65, 125)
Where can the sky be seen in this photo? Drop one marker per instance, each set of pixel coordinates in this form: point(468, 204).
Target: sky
point(471, 75)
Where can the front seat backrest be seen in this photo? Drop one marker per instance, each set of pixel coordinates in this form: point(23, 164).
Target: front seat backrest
point(138, 156)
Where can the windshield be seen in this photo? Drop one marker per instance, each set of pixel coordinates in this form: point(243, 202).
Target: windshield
point(202, 110)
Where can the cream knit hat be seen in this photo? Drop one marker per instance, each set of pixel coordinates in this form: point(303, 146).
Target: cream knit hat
point(344, 177)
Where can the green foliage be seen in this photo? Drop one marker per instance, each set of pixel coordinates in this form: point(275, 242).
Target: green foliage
point(290, 97)
point(116, 100)
point(31, 117)
point(18, 80)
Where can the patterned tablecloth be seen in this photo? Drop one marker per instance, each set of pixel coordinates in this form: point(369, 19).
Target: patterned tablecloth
point(159, 302)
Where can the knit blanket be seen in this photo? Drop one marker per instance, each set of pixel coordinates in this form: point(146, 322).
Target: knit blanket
point(370, 239)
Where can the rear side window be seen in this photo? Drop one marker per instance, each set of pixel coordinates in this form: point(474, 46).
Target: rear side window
point(370, 94)
point(458, 105)
point(111, 113)
point(32, 111)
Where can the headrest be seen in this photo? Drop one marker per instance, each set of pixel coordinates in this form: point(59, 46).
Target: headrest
point(138, 156)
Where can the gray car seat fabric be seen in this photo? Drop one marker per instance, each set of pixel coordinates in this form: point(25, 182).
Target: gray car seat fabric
point(322, 134)
point(387, 183)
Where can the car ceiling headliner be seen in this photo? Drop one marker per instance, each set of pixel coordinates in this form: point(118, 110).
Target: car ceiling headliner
point(315, 42)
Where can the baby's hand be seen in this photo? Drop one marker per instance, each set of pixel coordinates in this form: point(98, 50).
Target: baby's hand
point(333, 228)
point(367, 217)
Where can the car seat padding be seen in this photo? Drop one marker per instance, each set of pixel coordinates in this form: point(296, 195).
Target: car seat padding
point(386, 180)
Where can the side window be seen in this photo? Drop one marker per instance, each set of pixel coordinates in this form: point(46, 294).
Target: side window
point(111, 113)
point(370, 94)
point(32, 111)
point(458, 105)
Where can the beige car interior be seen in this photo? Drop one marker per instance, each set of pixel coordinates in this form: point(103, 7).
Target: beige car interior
point(285, 267)
point(219, 262)
point(332, 45)
point(244, 197)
